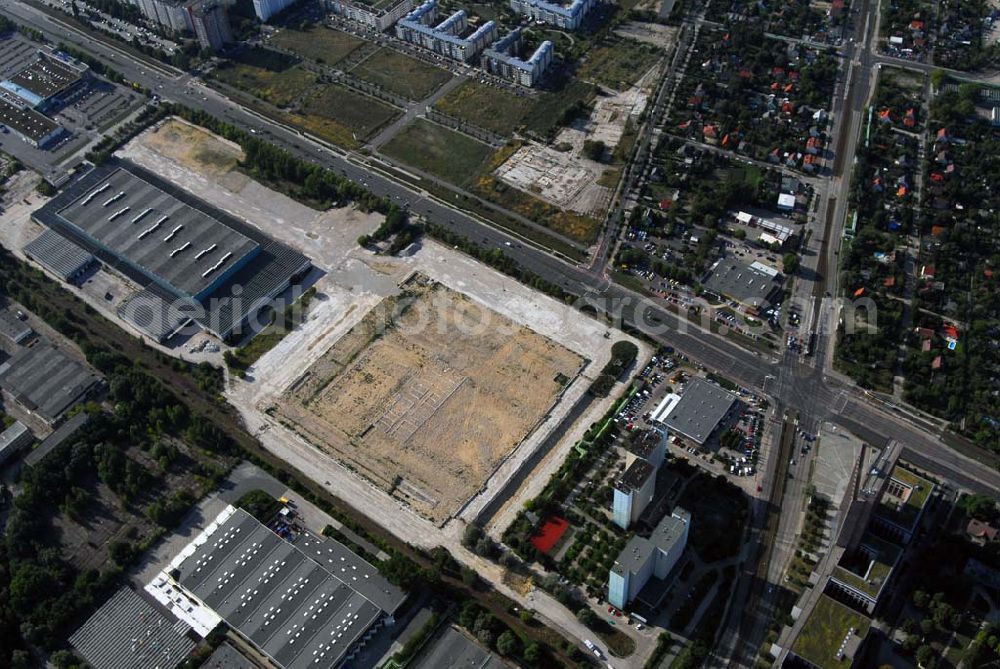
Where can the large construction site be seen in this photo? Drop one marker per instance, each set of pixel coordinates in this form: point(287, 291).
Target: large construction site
point(417, 388)
point(427, 394)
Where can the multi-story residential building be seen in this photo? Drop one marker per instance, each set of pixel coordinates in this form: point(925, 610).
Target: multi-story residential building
point(633, 490)
point(380, 16)
point(170, 14)
point(502, 60)
point(265, 9)
point(210, 21)
point(642, 559)
point(445, 38)
point(568, 17)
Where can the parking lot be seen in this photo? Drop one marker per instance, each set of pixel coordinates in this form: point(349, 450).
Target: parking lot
point(97, 106)
point(739, 456)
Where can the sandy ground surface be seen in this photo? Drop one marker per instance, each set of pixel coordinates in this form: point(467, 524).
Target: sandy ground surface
point(567, 179)
point(352, 283)
point(651, 33)
point(428, 394)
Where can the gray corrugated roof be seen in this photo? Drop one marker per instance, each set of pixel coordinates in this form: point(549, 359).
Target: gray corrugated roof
point(155, 315)
point(16, 436)
point(14, 328)
point(65, 431)
point(700, 409)
point(151, 228)
point(59, 255)
point(129, 633)
point(46, 381)
point(736, 280)
point(229, 303)
point(454, 650)
point(291, 607)
point(353, 570)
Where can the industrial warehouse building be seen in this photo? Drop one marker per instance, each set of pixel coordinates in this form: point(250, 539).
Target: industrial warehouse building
point(194, 261)
point(699, 411)
point(309, 604)
point(445, 38)
point(128, 632)
point(45, 80)
point(46, 382)
point(502, 60)
point(13, 440)
point(14, 330)
point(58, 255)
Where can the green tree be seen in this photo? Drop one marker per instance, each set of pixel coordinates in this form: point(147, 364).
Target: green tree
point(925, 656)
point(790, 263)
point(508, 644)
point(532, 653)
point(594, 149)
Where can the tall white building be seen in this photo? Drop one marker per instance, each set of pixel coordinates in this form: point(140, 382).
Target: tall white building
point(379, 17)
point(265, 9)
point(171, 14)
point(642, 558)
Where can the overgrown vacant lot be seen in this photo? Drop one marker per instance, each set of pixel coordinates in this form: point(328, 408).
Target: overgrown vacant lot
point(318, 43)
point(343, 116)
point(618, 63)
point(454, 157)
point(269, 75)
point(401, 74)
point(503, 113)
point(427, 394)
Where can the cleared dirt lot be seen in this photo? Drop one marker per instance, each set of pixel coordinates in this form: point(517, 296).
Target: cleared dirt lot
point(427, 394)
point(355, 282)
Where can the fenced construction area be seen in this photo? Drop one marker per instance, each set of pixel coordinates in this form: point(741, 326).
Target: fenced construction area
point(427, 394)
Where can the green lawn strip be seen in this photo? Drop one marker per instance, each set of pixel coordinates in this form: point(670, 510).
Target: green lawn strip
point(618, 64)
point(355, 112)
point(401, 74)
point(447, 154)
point(266, 74)
point(318, 43)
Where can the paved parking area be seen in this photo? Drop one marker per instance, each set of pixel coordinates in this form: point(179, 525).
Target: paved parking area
point(95, 109)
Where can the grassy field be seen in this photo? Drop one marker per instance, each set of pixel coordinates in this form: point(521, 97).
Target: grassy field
point(618, 64)
point(497, 110)
point(317, 43)
point(269, 75)
point(401, 74)
point(335, 112)
point(445, 153)
point(488, 107)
